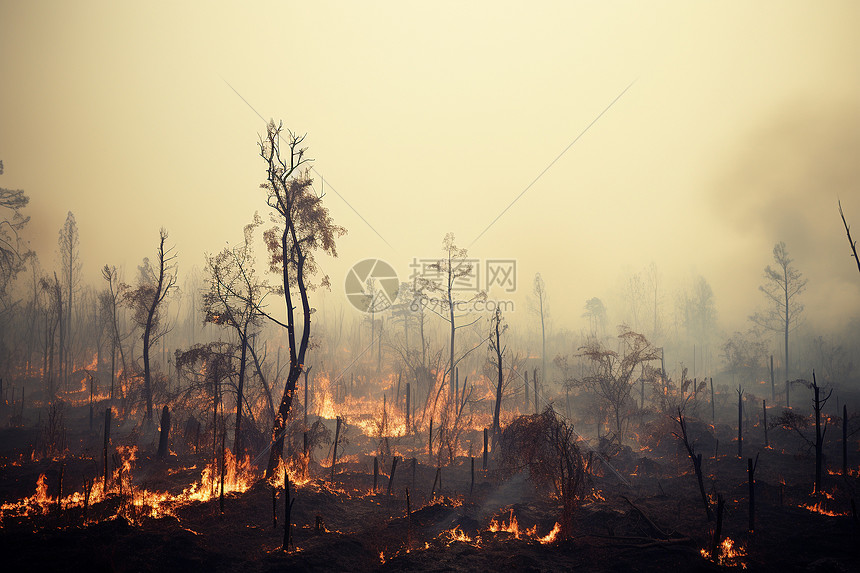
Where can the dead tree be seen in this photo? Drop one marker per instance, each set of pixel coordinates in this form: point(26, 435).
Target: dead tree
point(334, 448)
point(740, 422)
point(106, 448)
point(818, 404)
point(497, 352)
point(851, 241)
point(146, 301)
point(751, 466)
point(844, 440)
point(696, 459)
point(304, 226)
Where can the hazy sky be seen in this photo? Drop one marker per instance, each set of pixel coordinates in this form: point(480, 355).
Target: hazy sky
point(742, 129)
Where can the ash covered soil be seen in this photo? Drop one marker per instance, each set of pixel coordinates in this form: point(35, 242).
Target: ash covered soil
point(644, 513)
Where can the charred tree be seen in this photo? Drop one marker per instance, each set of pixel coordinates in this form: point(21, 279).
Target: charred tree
point(740, 422)
point(497, 352)
point(304, 226)
point(851, 241)
point(818, 405)
point(146, 301)
point(697, 462)
point(751, 466)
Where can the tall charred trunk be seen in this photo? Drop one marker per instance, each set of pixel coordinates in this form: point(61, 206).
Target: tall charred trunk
point(240, 392)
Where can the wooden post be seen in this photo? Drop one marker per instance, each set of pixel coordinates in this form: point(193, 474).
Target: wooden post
point(334, 450)
point(772, 384)
point(472, 486)
point(485, 448)
point(534, 379)
point(787, 394)
point(393, 469)
point(435, 481)
point(106, 447)
point(306, 397)
point(375, 472)
point(275, 507)
point(165, 433)
point(408, 507)
point(223, 468)
point(288, 508)
point(718, 530)
point(526, 389)
point(430, 444)
point(713, 407)
point(91, 403)
point(88, 489)
point(740, 422)
point(844, 440)
point(408, 409)
point(60, 487)
point(818, 404)
point(751, 480)
point(764, 422)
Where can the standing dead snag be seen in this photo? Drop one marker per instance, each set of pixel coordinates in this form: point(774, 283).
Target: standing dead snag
point(146, 301)
point(718, 530)
point(334, 448)
point(304, 226)
point(844, 440)
point(818, 404)
point(751, 466)
point(740, 423)
point(106, 447)
point(497, 352)
point(697, 461)
point(851, 241)
point(288, 509)
point(393, 469)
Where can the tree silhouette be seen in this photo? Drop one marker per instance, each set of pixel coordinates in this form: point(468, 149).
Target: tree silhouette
point(303, 226)
point(782, 288)
point(146, 300)
point(235, 300)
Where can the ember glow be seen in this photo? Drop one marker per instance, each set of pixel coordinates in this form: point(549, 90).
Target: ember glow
point(728, 554)
point(546, 333)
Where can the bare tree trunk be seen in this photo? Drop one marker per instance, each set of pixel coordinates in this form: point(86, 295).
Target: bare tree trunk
point(240, 392)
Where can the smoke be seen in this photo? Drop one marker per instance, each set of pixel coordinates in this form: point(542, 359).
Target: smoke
point(782, 184)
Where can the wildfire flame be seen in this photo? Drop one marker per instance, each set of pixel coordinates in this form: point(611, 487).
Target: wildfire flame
point(819, 508)
point(727, 554)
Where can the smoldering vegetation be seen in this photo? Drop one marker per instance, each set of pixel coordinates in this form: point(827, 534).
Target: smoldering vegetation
point(235, 416)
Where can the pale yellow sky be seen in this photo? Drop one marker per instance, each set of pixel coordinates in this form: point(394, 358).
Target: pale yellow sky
point(741, 130)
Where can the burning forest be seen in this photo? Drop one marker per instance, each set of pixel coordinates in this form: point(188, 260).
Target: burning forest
point(299, 378)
